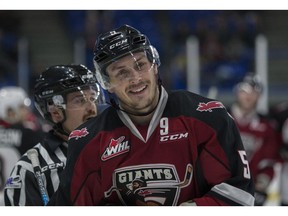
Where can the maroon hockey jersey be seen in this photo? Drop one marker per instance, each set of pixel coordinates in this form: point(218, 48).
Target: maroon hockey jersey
point(191, 150)
point(260, 142)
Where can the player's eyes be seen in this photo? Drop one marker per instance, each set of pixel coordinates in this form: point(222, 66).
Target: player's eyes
point(122, 74)
point(83, 100)
point(139, 66)
point(78, 100)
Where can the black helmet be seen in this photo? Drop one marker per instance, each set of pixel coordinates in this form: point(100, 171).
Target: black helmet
point(57, 81)
point(251, 80)
point(117, 43)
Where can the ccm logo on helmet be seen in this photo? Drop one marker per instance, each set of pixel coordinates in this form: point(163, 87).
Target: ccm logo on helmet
point(118, 44)
point(87, 76)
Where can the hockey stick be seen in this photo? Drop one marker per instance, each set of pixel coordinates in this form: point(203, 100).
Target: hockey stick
point(188, 176)
point(184, 183)
point(33, 156)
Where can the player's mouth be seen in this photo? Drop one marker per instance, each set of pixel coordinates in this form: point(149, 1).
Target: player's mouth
point(139, 90)
point(86, 118)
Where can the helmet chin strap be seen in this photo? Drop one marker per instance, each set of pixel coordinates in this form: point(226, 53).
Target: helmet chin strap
point(58, 128)
point(117, 107)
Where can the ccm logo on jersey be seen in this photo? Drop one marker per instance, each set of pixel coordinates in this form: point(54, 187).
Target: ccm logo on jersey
point(78, 133)
point(209, 106)
point(174, 137)
point(116, 147)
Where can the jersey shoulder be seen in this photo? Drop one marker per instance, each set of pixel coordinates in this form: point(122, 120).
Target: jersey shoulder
point(188, 102)
point(207, 110)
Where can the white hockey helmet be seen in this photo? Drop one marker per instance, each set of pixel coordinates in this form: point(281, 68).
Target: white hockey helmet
point(12, 98)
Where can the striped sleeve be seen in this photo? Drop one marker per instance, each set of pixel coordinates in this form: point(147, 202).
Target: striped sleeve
point(22, 189)
point(20, 181)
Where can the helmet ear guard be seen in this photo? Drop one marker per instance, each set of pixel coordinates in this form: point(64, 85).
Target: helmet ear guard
point(153, 55)
point(102, 77)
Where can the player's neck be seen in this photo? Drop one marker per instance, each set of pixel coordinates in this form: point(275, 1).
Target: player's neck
point(141, 120)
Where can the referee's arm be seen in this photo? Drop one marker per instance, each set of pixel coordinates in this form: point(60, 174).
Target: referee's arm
point(21, 188)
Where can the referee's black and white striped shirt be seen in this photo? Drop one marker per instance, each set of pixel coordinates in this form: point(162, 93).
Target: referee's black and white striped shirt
point(21, 188)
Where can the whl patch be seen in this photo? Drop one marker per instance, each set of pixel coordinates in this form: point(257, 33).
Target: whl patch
point(116, 147)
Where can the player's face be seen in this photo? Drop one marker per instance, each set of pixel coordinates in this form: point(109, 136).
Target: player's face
point(248, 99)
point(134, 80)
point(135, 185)
point(80, 107)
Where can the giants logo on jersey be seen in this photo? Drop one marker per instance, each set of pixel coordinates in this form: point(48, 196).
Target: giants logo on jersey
point(149, 184)
point(209, 106)
point(116, 147)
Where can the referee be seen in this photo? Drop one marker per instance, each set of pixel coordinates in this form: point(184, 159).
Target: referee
point(66, 96)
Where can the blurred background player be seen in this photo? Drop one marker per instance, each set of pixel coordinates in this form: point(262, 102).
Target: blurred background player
point(258, 135)
point(66, 96)
point(19, 130)
point(279, 114)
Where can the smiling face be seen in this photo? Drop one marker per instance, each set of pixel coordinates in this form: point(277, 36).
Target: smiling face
point(134, 80)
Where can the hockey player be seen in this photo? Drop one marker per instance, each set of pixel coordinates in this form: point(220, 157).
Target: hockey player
point(279, 114)
point(185, 148)
point(66, 96)
point(258, 135)
point(15, 137)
